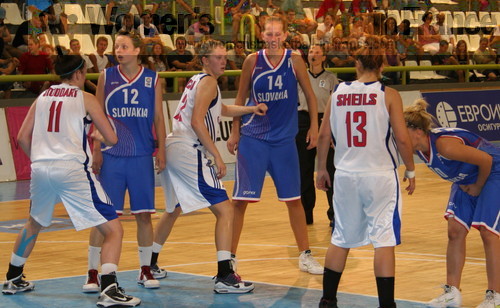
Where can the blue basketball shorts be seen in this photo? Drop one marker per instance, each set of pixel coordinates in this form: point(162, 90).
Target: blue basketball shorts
point(135, 174)
point(255, 157)
point(480, 211)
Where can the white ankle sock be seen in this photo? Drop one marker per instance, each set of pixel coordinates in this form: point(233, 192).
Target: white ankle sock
point(157, 247)
point(145, 255)
point(223, 255)
point(108, 268)
point(94, 257)
point(17, 260)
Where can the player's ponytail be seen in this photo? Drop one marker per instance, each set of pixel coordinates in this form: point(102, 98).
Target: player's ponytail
point(370, 55)
point(416, 116)
point(66, 65)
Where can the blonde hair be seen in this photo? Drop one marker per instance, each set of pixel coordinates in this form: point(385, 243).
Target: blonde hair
point(416, 116)
point(205, 48)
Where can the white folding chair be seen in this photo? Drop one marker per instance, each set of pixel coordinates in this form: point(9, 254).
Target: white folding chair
point(75, 14)
point(416, 75)
point(309, 13)
point(474, 42)
point(61, 39)
point(395, 14)
point(471, 20)
point(167, 41)
point(430, 74)
point(458, 19)
point(12, 14)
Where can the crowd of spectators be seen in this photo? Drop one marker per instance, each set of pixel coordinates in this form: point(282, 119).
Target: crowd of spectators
point(340, 30)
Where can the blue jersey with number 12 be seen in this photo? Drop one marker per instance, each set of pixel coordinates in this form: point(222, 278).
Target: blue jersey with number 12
point(131, 105)
point(276, 86)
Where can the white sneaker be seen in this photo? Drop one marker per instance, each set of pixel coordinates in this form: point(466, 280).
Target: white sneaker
point(158, 272)
point(115, 296)
point(307, 263)
point(451, 297)
point(146, 278)
point(491, 300)
point(232, 283)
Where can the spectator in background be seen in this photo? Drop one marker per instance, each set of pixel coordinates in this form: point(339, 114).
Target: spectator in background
point(406, 45)
point(117, 10)
point(181, 59)
point(391, 28)
point(259, 27)
point(461, 53)
point(296, 43)
point(161, 8)
point(75, 47)
point(28, 28)
point(444, 30)
point(444, 57)
point(7, 67)
point(34, 61)
point(361, 6)
point(428, 37)
point(158, 62)
point(304, 25)
point(484, 55)
point(330, 7)
point(234, 10)
point(392, 59)
point(147, 29)
point(325, 30)
point(98, 58)
point(6, 48)
point(128, 24)
point(235, 59)
point(199, 30)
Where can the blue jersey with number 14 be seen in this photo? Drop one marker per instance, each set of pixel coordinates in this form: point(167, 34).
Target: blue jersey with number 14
point(275, 86)
point(131, 105)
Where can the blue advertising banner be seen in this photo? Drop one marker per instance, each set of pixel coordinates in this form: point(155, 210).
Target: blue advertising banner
point(476, 111)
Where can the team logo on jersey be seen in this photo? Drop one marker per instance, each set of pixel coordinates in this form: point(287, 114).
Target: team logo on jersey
point(148, 82)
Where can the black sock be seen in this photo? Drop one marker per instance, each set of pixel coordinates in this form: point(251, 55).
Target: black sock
point(14, 271)
point(224, 268)
point(154, 258)
point(385, 288)
point(331, 280)
point(107, 280)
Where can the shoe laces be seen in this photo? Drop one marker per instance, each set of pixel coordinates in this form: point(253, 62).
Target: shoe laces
point(490, 296)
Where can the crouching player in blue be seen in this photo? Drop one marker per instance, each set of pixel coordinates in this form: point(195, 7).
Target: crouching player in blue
point(473, 165)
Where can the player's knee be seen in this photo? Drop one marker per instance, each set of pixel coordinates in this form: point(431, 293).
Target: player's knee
point(456, 232)
point(143, 219)
point(487, 235)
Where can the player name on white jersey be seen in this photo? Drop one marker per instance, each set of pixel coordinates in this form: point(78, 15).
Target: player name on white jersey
point(357, 99)
point(61, 92)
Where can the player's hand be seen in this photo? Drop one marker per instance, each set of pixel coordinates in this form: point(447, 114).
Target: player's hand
point(312, 138)
point(232, 142)
point(160, 161)
point(411, 185)
point(472, 189)
point(260, 109)
point(323, 181)
point(221, 167)
point(96, 162)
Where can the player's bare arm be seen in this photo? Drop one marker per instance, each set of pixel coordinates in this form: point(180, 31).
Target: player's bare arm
point(201, 103)
point(243, 92)
point(96, 150)
point(312, 104)
point(454, 149)
point(26, 132)
point(99, 119)
point(396, 118)
point(161, 133)
point(323, 181)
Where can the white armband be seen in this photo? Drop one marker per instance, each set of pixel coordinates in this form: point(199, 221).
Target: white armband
point(409, 174)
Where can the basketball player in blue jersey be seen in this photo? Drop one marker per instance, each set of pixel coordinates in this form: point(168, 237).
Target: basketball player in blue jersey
point(54, 136)
point(268, 143)
point(191, 180)
point(472, 164)
point(367, 126)
point(131, 96)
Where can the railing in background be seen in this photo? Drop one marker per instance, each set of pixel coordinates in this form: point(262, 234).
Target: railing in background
point(252, 31)
point(175, 75)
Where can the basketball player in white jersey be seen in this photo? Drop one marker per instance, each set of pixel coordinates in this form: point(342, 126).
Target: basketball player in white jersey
point(191, 179)
point(368, 129)
point(54, 136)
